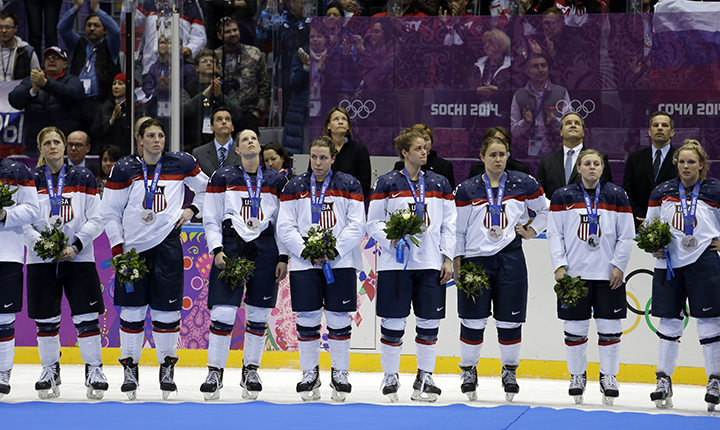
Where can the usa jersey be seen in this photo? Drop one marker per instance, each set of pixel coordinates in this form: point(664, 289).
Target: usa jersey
point(25, 210)
point(392, 192)
point(569, 228)
point(124, 197)
point(343, 212)
point(665, 204)
point(79, 209)
point(522, 192)
point(228, 198)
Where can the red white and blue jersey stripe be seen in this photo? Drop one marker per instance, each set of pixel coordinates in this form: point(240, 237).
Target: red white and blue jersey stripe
point(392, 192)
point(228, 198)
point(79, 209)
point(124, 198)
point(25, 210)
point(568, 230)
point(343, 211)
point(522, 192)
point(665, 204)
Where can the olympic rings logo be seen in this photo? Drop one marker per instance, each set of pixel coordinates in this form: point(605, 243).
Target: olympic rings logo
point(576, 106)
point(640, 313)
point(357, 108)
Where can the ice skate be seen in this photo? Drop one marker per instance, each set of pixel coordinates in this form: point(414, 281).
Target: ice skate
point(213, 383)
point(390, 386)
point(424, 388)
point(469, 383)
point(131, 378)
point(167, 375)
point(95, 382)
point(308, 387)
point(340, 385)
point(509, 381)
point(4, 382)
point(609, 388)
point(251, 383)
point(662, 396)
point(577, 387)
point(712, 395)
point(48, 386)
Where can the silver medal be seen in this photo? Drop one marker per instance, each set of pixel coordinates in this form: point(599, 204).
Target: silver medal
point(56, 221)
point(593, 242)
point(689, 243)
point(496, 233)
point(253, 224)
point(147, 216)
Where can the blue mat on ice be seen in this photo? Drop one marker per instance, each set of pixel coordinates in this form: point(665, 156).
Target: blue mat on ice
point(268, 416)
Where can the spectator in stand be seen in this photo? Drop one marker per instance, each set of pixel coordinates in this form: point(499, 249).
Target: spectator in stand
point(219, 152)
point(108, 157)
point(407, 8)
point(36, 10)
point(17, 58)
point(48, 97)
point(434, 163)
point(575, 7)
point(352, 157)
point(110, 122)
point(242, 11)
point(200, 98)
point(276, 157)
point(244, 70)
point(512, 164)
point(78, 145)
point(94, 57)
point(507, 7)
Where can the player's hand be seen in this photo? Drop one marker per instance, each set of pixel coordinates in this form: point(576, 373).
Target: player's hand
point(456, 267)
point(186, 216)
point(561, 273)
point(68, 254)
point(446, 271)
point(715, 244)
point(281, 271)
point(527, 114)
point(219, 261)
point(525, 233)
point(659, 254)
point(616, 278)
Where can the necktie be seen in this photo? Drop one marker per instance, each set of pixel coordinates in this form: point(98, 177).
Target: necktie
point(568, 165)
point(223, 156)
point(656, 163)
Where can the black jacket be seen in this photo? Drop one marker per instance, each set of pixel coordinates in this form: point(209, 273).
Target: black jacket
point(551, 172)
point(512, 164)
point(435, 164)
point(639, 182)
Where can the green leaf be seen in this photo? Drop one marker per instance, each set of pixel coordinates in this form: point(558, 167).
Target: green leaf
point(472, 279)
point(570, 290)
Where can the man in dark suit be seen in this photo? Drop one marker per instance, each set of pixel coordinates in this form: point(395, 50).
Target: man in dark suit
point(78, 145)
point(649, 167)
point(220, 152)
point(557, 169)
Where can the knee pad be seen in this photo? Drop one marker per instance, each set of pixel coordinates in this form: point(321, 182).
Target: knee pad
point(507, 324)
point(7, 319)
point(45, 329)
point(337, 320)
point(474, 324)
point(670, 329)
point(88, 328)
point(220, 329)
point(574, 340)
point(306, 334)
point(391, 337)
point(339, 333)
point(397, 324)
point(92, 316)
point(224, 314)
point(132, 326)
point(165, 317)
point(257, 328)
point(509, 336)
point(7, 332)
point(309, 319)
point(471, 336)
point(607, 339)
point(137, 313)
point(708, 330)
point(426, 336)
point(427, 323)
point(254, 313)
point(578, 328)
point(164, 327)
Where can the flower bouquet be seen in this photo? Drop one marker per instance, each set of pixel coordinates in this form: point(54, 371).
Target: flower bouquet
point(237, 271)
point(472, 279)
point(402, 223)
point(51, 244)
point(319, 242)
point(6, 195)
point(128, 268)
point(570, 290)
point(653, 235)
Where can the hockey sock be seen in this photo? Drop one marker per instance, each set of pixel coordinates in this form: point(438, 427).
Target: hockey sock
point(7, 345)
point(426, 344)
point(609, 333)
point(309, 346)
point(510, 340)
point(339, 343)
point(471, 342)
point(131, 339)
point(390, 347)
point(709, 333)
point(166, 337)
point(48, 342)
point(669, 331)
point(89, 342)
point(255, 336)
point(219, 344)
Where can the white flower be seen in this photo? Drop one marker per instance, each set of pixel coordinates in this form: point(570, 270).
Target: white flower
point(136, 274)
point(406, 215)
point(123, 267)
point(48, 245)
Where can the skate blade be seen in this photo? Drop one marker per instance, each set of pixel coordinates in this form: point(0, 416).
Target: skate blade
point(664, 403)
point(471, 395)
point(310, 395)
point(49, 394)
point(393, 397)
point(509, 396)
point(94, 394)
point(166, 394)
point(215, 395)
point(338, 396)
point(608, 400)
point(249, 395)
point(419, 396)
point(132, 395)
point(578, 399)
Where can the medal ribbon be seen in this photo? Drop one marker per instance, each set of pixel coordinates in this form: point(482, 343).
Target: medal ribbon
point(254, 193)
point(316, 202)
point(495, 205)
point(689, 213)
point(55, 197)
point(592, 212)
point(419, 197)
point(150, 192)
point(669, 272)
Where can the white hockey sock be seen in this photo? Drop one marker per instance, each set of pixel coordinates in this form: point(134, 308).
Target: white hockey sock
point(253, 349)
point(390, 358)
point(166, 344)
point(340, 354)
point(90, 350)
point(218, 350)
point(667, 356)
point(576, 358)
point(711, 354)
point(49, 349)
point(7, 354)
point(510, 354)
point(609, 359)
point(426, 356)
point(131, 345)
point(469, 354)
point(309, 354)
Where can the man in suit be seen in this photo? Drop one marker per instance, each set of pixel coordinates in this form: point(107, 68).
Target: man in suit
point(649, 167)
point(218, 153)
point(78, 145)
point(557, 169)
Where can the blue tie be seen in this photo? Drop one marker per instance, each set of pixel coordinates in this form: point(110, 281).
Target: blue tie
point(223, 156)
point(568, 165)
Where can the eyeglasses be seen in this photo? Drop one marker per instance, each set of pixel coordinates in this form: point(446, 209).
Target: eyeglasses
point(7, 27)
